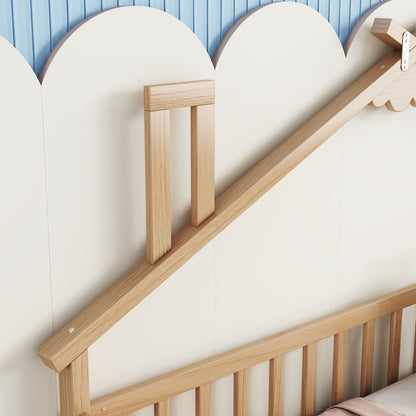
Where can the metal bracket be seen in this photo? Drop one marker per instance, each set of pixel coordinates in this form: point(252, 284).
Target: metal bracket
point(405, 51)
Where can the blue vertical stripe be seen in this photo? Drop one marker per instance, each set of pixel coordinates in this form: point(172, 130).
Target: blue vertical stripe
point(214, 25)
point(23, 39)
point(186, 12)
point(76, 12)
point(91, 6)
point(200, 22)
point(6, 20)
point(41, 33)
point(172, 7)
point(59, 20)
point(35, 26)
point(240, 9)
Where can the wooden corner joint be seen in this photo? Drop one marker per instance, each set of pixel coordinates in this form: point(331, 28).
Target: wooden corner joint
point(177, 95)
point(402, 92)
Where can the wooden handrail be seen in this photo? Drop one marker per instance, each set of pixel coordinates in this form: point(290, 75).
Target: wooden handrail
point(176, 382)
point(107, 310)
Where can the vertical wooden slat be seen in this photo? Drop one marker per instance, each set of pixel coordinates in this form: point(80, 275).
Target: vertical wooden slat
point(367, 358)
point(74, 387)
point(158, 218)
point(394, 347)
point(162, 408)
point(308, 380)
point(338, 372)
point(240, 393)
point(414, 354)
point(202, 162)
point(202, 400)
point(275, 386)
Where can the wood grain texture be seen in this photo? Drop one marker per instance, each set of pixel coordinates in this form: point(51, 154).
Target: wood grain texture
point(74, 388)
point(391, 33)
point(162, 408)
point(308, 380)
point(158, 215)
point(177, 95)
point(100, 316)
point(203, 400)
point(275, 386)
point(179, 381)
point(202, 163)
point(394, 346)
point(367, 358)
point(240, 393)
point(338, 372)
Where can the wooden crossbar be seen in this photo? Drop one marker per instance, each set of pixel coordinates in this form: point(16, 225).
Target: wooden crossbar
point(99, 317)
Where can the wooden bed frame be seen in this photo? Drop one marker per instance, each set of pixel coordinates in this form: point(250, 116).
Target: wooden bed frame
point(66, 352)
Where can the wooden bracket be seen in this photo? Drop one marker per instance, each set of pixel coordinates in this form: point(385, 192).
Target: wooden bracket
point(402, 92)
point(158, 100)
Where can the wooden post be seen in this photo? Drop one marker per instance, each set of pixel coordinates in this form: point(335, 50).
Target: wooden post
point(394, 347)
point(275, 386)
point(74, 388)
point(202, 163)
point(240, 393)
point(202, 400)
point(157, 149)
point(308, 380)
point(367, 358)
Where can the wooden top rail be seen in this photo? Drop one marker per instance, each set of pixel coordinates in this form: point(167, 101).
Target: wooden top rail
point(100, 316)
point(207, 371)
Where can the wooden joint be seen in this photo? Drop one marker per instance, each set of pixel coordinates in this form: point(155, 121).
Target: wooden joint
point(391, 33)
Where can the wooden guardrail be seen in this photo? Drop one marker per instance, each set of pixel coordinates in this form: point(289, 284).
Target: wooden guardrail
point(66, 352)
point(237, 361)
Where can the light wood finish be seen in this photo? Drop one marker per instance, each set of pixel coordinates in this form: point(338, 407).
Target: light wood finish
point(414, 355)
point(367, 358)
point(202, 162)
point(162, 408)
point(157, 150)
point(399, 95)
point(177, 95)
point(338, 373)
point(275, 386)
point(240, 393)
point(99, 317)
point(394, 347)
point(206, 371)
point(391, 33)
point(202, 400)
point(308, 380)
point(74, 388)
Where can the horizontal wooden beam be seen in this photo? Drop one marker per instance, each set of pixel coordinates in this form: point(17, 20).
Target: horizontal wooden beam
point(100, 316)
point(179, 381)
point(177, 95)
point(391, 33)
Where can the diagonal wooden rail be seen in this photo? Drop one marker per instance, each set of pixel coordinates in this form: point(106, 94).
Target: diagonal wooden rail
point(75, 338)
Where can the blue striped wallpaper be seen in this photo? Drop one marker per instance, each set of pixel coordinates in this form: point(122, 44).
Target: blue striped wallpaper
point(35, 26)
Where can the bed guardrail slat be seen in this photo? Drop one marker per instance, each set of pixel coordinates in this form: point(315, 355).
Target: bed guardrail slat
point(240, 393)
point(394, 346)
point(158, 217)
point(308, 380)
point(162, 408)
point(275, 386)
point(367, 358)
point(202, 400)
point(74, 388)
point(338, 373)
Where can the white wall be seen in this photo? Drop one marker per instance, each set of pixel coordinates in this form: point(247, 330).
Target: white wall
point(337, 230)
